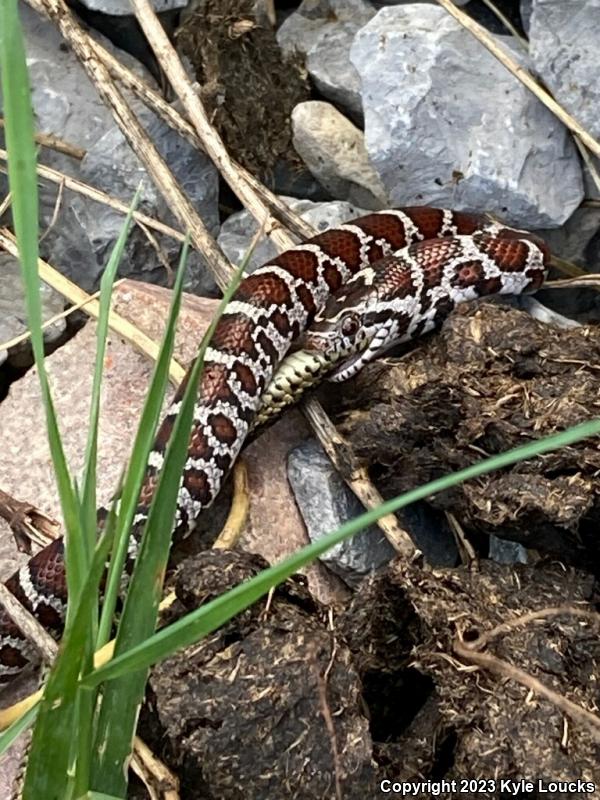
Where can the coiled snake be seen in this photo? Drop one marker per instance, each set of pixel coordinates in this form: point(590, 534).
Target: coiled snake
point(445, 258)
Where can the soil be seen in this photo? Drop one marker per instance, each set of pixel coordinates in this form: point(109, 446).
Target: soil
point(493, 379)
point(248, 87)
point(293, 699)
point(282, 703)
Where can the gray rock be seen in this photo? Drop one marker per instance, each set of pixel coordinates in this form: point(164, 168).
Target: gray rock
point(111, 165)
point(543, 313)
point(446, 124)
point(13, 315)
point(526, 10)
point(333, 149)
point(238, 229)
point(325, 503)
point(65, 102)
point(571, 241)
point(505, 552)
point(82, 232)
point(323, 31)
point(122, 8)
point(564, 45)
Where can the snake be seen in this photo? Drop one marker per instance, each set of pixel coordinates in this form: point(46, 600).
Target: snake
point(400, 298)
point(339, 298)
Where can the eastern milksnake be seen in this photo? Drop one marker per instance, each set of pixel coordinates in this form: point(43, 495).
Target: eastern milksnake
point(403, 295)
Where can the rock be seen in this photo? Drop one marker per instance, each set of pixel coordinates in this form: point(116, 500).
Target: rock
point(564, 42)
point(526, 10)
point(121, 8)
point(274, 527)
point(503, 552)
point(542, 313)
point(573, 239)
point(323, 31)
point(238, 229)
point(82, 233)
point(13, 315)
point(438, 136)
point(334, 151)
point(65, 102)
point(87, 228)
point(578, 241)
point(325, 503)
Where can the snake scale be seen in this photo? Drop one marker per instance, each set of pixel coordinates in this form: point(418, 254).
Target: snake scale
point(382, 278)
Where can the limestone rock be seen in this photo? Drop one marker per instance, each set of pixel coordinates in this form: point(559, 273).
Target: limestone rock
point(447, 124)
point(564, 45)
point(326, 503)
point(323, 31)
point(334, 151)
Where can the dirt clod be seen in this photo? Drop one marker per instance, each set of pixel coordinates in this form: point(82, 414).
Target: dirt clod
point(248, 87)
point(473, 723)
point(247, 712)
point(493, 379)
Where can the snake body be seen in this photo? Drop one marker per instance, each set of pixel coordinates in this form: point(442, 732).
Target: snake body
point(269, 311)
point(400, 298)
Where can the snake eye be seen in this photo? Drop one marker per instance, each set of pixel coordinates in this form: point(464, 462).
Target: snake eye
point(350, 324)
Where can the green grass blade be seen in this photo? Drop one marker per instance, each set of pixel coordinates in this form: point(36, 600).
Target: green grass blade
point(208, 618)
point(88, 496)
point(23, 185)
point(122, 699)
point(60, 714)
point(139, 458)
point(83, 752)
point(12, 733)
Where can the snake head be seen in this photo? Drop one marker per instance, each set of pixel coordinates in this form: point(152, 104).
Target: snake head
point(349, 330)
point(405, 295)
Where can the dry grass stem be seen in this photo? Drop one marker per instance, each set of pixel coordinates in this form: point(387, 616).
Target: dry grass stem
point(565, 267)
point(587, 281)
point(5, 204)
point(75, 185)
point(589, 162)
point(139, 141)
point(213, 145)
point(29, 625)
point(27, 523)
point(506, 670)
point(62, 315)
point(356, 476)
point(238, 512)
point(523, 43)
point(158, 779)
point(468, 556)
point(76, 295)
point(53, 142)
